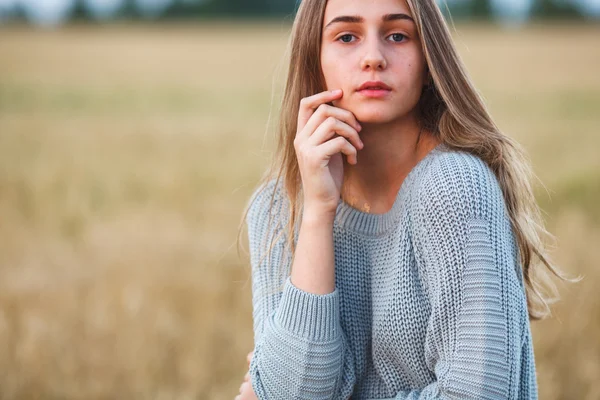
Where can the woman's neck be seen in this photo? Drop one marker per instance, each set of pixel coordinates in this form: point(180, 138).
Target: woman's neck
point(390, 153)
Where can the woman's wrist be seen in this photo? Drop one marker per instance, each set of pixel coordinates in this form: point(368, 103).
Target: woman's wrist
point(318, 215)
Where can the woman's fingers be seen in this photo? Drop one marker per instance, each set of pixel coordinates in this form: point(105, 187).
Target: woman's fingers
point(338, 145)
point(315, 145)
point(330, 127)
point(325, 111)
point(309, 105)
point(247, 377)
point(246, 392)
point(249, 357)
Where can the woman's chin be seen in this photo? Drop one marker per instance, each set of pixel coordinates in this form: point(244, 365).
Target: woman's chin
point(374, 116)
point(372, 111)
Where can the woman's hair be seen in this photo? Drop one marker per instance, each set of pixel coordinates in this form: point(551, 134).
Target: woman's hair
point(450, 108)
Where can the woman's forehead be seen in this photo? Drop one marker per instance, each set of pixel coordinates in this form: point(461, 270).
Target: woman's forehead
point(368, 9)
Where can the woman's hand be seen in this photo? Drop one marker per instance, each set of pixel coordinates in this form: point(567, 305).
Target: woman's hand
point(246, 391)
point(249, 357)
point(319, 153)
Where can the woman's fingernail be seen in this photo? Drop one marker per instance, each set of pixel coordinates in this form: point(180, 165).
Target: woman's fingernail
point(336, 91)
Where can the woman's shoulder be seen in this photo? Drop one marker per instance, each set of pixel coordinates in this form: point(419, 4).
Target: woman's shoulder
point(267, 202)
point(459, 180)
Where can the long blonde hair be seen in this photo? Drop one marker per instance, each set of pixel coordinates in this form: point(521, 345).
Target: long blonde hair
point(450, 108)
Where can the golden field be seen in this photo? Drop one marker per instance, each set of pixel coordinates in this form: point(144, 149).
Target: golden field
point(127, 155)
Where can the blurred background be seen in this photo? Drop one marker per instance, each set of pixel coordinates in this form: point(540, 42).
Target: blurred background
point(132, 133)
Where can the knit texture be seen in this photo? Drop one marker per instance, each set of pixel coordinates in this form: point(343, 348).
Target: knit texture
point(429, 300)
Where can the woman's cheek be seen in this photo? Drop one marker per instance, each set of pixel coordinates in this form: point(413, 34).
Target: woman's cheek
point(328, 69)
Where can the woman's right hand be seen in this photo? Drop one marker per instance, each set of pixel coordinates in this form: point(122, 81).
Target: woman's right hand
point(319, 153)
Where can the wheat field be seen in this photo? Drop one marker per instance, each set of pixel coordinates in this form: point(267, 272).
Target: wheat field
point(127, 155)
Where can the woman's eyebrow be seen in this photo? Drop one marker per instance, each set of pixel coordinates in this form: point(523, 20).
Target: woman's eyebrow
point(358, 19)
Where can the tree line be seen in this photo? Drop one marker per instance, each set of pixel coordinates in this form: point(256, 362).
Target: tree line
point(191, 9)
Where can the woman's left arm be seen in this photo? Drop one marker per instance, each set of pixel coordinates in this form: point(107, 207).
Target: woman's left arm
point(468, 260)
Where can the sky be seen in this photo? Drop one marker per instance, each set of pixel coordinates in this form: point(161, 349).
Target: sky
point(51, 12)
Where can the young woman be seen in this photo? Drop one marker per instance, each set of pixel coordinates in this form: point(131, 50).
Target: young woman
point(393, 240)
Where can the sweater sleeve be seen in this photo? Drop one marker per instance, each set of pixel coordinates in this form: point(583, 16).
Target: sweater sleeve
point(300, 349)
point(469, 266)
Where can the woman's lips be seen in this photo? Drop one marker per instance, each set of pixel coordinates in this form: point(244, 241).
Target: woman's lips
point(374, 93)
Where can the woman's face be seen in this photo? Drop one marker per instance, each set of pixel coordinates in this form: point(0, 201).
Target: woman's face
point(368, 40)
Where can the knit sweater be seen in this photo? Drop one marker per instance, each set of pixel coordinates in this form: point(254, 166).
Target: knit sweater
point(429, 301)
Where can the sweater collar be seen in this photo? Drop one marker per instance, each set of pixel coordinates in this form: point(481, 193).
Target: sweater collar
point(352, 219)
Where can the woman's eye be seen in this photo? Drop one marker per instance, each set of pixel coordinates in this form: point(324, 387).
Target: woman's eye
point(397, 37)
point(347, 38)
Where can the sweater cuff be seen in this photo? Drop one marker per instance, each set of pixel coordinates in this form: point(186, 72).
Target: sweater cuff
point(308, 315)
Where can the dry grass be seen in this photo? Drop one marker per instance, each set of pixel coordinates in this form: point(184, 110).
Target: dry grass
point(127, 154)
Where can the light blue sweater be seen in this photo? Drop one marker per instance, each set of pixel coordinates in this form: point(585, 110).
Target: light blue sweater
point(429, 300)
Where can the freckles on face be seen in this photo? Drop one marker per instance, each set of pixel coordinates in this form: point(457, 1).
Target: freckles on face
point(365, 44)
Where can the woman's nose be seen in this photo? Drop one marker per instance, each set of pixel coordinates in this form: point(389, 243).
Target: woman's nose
point(373, 58)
